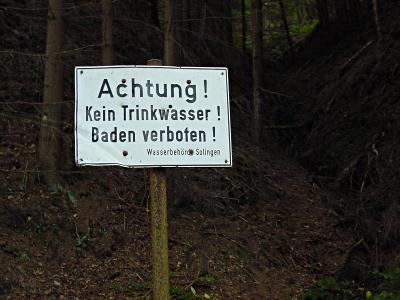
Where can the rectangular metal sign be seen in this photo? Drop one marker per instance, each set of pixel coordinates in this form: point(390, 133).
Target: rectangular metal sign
point(152, 116)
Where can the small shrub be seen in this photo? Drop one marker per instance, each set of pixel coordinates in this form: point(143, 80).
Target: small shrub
point(330, 289)
point(180, 294)
point(114, 286)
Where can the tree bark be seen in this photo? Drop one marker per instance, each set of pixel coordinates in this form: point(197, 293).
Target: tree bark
point(50, 139)
point(154, 13)
point(287, 30)
point(226, 11)
point(323, 12)
point(107, 53)
point(188, 16)
point(354, 11)
point(376, 17)
point(170, 45)
point(341, 10)
point(257, 37)
point(244, 25)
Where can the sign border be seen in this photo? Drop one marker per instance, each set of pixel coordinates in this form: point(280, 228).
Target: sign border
point(78, 68)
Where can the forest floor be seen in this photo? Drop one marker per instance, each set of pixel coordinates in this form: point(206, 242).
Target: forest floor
point(261, 230)
point(264, 229)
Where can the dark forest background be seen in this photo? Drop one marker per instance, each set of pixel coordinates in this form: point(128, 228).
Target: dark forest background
point(311, 207)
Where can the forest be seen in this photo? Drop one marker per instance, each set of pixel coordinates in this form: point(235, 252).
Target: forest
point(307, 208)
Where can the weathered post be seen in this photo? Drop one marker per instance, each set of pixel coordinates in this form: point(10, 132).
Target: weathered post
point(159, 227)
point(160, 131)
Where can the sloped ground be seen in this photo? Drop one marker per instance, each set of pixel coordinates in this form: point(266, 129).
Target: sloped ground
point(257, 231)
point(341, 108)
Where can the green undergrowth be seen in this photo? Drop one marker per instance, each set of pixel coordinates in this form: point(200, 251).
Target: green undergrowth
point(299, 32)
point(329, 288)
point(278, 42)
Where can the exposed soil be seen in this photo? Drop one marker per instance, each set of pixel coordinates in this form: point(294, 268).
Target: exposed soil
point(340, 110)
point(261, 230)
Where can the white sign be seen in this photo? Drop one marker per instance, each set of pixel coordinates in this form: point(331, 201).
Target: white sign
point(152, 116)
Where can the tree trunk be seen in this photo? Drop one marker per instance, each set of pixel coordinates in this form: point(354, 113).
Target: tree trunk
point(180, 49)
point(323, 13)
point(154, 13)
point(50, 139)
point(185, 31)
point(188, 16)
point(257, 37)
point(376, 17)
point(170, 46)
point(107, 54)
point(341, 10)
point(226, 11)
point(287, 30)
point(354, 11)
point(244, 25)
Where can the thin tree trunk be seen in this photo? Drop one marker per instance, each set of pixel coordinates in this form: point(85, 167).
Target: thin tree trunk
point(227, 21)
point(354, 11)
point(323, 12)
point(341, 10)
point(188, 16)
point(107, 52)
point(154, 13)
point(244, 25)
point(203, 19)
point(170, 46)
point(50, 139)
point(179, 32)
point(186, 30)
point(257, 37)
point(287, 30)
point(376, 16)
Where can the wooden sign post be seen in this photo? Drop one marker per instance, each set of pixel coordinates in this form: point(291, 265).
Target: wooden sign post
point(153, 117)
point(159, 227)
